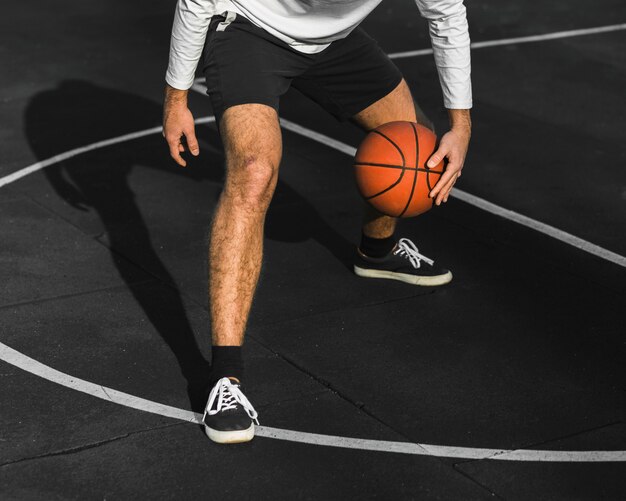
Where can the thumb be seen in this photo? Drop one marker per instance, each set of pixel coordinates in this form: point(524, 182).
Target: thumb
point(192, 142)
point(437, 157)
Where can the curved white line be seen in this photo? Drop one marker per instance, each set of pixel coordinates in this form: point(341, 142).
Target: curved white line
point(11, 178)
point(35, 367)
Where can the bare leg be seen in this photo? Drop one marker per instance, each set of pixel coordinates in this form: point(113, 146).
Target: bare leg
point(253, 147)
point(397, 105)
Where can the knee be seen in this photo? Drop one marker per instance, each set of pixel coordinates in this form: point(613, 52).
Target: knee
point(251, 183)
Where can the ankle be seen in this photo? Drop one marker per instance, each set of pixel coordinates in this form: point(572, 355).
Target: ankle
point(226, 361)
point(376, 247)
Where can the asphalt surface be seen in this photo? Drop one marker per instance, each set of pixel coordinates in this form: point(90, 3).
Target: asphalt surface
point(104, 275)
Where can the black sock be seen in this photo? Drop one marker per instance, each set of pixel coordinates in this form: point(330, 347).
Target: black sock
point(377, 247)
point(226, 361)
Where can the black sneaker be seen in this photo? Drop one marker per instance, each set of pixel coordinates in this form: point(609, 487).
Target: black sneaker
point(403, 263)
point(229, 417)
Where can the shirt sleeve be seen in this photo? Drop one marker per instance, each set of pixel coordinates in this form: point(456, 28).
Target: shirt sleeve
point(449, 35)
point(191, 23)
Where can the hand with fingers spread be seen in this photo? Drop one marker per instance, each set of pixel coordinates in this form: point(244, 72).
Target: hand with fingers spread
point(453, 148)
point(178, 124)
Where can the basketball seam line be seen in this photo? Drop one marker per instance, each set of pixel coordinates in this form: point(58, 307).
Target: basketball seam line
point(391, 166)
point(401, 174)
point(417, 156)
point(394, 145)
point(390, 187)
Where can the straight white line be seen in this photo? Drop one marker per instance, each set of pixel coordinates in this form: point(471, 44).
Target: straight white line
point(544, 228)
point(35, 367)
point(198, 86)
point(317, 136)
point(481, 203)
point(518, 40)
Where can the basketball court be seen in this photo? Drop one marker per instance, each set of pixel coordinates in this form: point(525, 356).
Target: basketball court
point(508, 383)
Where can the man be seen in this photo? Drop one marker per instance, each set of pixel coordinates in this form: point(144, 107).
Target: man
point(253, 51)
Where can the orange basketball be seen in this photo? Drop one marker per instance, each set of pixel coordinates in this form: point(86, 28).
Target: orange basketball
point(391, 172)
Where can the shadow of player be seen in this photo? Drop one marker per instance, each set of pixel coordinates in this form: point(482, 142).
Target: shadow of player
point(77, 113)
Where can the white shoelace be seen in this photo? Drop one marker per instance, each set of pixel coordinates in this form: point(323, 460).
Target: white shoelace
point(228, 395)
point(407, 248)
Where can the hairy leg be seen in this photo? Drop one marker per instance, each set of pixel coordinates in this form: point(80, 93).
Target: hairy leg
point(397, 105)
point(253, 148)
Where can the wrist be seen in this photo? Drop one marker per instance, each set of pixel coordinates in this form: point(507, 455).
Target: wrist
point(460, 120)
point(175, 97)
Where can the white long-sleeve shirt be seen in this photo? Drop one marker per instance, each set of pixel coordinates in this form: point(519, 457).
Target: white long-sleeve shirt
point(310, 26)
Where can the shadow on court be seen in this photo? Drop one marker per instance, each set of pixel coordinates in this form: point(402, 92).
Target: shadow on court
point(78, 113)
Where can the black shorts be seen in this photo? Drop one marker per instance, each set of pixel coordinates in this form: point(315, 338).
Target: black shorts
point(244, 64)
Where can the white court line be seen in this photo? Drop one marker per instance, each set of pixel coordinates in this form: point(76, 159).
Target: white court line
point(481, 203)
point(544, 228)
point(35, 367)
point(510, 41)
point(32, 366)
point(11, 178)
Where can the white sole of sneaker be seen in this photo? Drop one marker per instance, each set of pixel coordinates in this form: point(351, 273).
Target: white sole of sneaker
point(230, 437)
point(405, 277)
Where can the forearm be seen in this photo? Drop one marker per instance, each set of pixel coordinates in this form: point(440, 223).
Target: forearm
point(175, 97)
point(460, 120)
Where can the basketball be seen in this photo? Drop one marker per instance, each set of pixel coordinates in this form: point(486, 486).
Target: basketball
point(391, 172)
